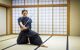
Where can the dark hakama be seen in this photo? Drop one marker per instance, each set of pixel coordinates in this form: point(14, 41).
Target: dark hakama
point(34, 37)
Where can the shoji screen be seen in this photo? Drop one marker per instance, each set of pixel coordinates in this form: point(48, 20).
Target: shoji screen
point(35, 2)
point(41, 2)
point(53, 20)
point(48, 19)
point(2, 20)
point(59, 20)
point(52, 2)
point(45, 20)
point(31, 2)
point(16, 13)
point(27, 2)
point(59, 1)
point(17, 2)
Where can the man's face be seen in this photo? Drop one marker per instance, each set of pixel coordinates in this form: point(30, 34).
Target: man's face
point(25, 13)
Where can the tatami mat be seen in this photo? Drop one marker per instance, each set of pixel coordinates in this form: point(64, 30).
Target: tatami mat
point(3, 38)
point(55, 43)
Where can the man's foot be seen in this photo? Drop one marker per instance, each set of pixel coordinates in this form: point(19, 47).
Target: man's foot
point(44, 46)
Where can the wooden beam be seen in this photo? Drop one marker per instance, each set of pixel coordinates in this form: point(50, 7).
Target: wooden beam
point(6, 21)
point(54, 34)
point(47, 5)
point(4, 5)
point(11, 24)
point(68, 17)
point(11, 20)
point(46, 34)
point(38, 17)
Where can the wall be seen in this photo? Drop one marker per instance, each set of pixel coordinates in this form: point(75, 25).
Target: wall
point(75, 18)
point(5, 27)
point(2, 20)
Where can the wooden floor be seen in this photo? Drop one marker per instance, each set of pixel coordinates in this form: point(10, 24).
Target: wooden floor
point(55, 43)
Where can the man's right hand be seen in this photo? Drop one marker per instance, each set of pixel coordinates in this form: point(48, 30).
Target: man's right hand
point(23, 28)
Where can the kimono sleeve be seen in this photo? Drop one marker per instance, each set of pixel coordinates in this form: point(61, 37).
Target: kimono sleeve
point(19, 20)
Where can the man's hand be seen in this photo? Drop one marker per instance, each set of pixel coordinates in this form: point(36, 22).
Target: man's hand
point(23, 28)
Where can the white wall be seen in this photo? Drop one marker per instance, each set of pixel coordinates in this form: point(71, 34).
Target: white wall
point(8, 17)
point(2, 20)
point(75, 18)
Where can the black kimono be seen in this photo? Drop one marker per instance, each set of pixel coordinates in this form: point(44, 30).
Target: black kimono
point(34, 37)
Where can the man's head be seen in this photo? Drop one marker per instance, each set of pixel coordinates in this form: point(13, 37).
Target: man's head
point(24, 12)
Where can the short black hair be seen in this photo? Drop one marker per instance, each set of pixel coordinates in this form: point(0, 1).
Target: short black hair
point(24, 10)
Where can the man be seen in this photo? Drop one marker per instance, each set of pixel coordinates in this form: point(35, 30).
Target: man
point(27, 35)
